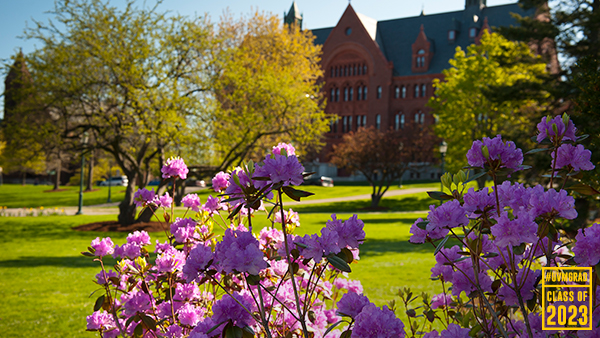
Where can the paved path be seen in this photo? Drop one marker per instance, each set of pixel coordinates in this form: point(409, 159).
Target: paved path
point(112, 208)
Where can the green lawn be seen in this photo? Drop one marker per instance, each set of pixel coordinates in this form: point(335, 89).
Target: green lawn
point(45, 283)
point(35, 196)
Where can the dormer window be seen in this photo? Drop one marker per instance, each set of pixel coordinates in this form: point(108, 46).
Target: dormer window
point(451, 35)
point(421, 58)
point(472, 32)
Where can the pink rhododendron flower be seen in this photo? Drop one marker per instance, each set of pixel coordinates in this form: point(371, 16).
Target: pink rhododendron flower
point(238, 251)
point(221, 181)
point(164, 201)
point(103, 247)
point(170, 261)
point(197, 262)
point(140, 238)
point(175, 167)
point(290, 217)
point(191, 201)
point(100, 320)
point(143, 197)
point(289, 149)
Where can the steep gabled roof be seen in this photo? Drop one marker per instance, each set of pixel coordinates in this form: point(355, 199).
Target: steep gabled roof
point(395, 37)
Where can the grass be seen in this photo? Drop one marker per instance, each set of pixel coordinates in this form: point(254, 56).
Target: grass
point(34, 196)
point(46, 283)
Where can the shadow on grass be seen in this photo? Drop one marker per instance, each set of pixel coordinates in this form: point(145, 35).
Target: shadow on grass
point(390, 205)
point(67, 262)
point(379, 247)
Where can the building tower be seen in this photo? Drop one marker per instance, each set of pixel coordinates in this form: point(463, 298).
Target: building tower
point(293, 17)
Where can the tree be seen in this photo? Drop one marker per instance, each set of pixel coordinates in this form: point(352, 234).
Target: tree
point(384, 156)
point(264, 89)
point(126, 77)
point(475, 99)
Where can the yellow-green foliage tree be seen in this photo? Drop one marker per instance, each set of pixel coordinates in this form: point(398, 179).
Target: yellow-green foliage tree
point(265, 89)
point(471, 102)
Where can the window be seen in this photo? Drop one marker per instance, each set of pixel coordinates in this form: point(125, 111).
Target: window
point(351, 94)
point(402, 121)
point(359, 93)
point(332, 98)
point(378, 121)
point(416, 90)
point(349, 123)
point(423, 90)
point(421, 117)
point(403, 92)
point(332, 72)
point(337, 95)
point(364, 92)
point(344, 124)
point(345, 70)
point(337, 71)
point(350, 73)
point(397, 92)
point(348, 31)
point(335, 123)
point(472, 32)
point(346, 94)
point(378, 92)
point(397, 122)
point(417, 117)
point(355, 70)
point(421, 58)
point(364, 69)
point(451, 35)
point(364, 120)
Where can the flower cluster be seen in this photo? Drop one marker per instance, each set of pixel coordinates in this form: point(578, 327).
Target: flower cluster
point(175, 167)
point(491, 150)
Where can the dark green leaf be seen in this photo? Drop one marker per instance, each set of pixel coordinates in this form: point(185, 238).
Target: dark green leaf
point(138, 331)
point(346, 255)
point(247, 332)
point(496, 285)
point(537, 150)
point(430, 315)
point(88, 254)
point(411, 313)
point(236, 211)
point(332, 327)
point(295, 194)
point(99, 302)
point(148, 321)
point(338, 263)
point(441, 245)
point(253, 279)
point(584, 189)
point(346, 334)
point(474, 177)
point(423, 225)
point(531, 303)
point(518, 250)
point(233, 332)
point(440, 196)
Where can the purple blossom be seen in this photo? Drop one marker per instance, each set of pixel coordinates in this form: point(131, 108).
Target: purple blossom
point(213, 205)
point(328, 241)
point(160, 248)
point(131, 250)
point(587, 247)
point(478, 201)
point(173, 331)
point(139, 238)
point(449, 215)
point(184, 229)
point(201, 328)
point(419, 236)
point(143, 197)
point(374, 322)
point(170, 261)
point(289, 149)
point(441, 300)
point(312, 249)
point(190, 315)
point(351, 304)
point(164, 201)
point(509, 155)
point(442, 258)
point(100, 277)
point(175, 167)
point(239, 251)
point(564, 132)
point(551, 202)
point(235, 190)
point(514, 232)
point(290, 217)
point(513, 195)
point(526, 279)
point(185, 292)
point(577, 157)
point(455, 331)
point(227, 309)
point(197, 262)
point(221, 181)
point(191, 201)
point(280, 169)
point(136, 301)
point(103, 247)
point(350, 232)
point(464, 280)
point(100, 320)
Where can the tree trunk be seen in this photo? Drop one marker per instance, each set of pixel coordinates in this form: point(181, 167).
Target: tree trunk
point(127, 209)
point(24, 178)
point(146, 215)
point(375, 199)
point(57, 174)
point(90, 175)
point(179, 192)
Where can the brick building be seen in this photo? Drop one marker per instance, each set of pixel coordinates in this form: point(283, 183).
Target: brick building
point(380, 73)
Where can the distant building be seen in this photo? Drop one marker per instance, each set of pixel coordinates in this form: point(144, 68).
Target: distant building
point(380, 73)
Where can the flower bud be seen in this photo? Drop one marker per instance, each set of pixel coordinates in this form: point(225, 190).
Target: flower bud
point(485, 152)
point(456, 180)
point(555, 129)
point(565, 119)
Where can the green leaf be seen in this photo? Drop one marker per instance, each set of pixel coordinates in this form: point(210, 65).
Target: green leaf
point(440, 246)
point(518, 250)
point(236, 211)
point(338, 263)
point(247, 332)
point(411, 313)
point(138, 331)
point(584, 189)
point(295, 194)
point(346, 255)
point(253, 279)
point(346, 334)
point(440, 196)
point(233, 331)
point(99, 302)
point(148, 321)
point(88, 254)
point(423, 225)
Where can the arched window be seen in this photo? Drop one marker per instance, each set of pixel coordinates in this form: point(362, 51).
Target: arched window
point(359, 93)
point(472, 32)
point(396, 92)
point(423, 90)
point(332, 98)
point(337, 71)
point(378, 92)
point(346, 94)
point(345, 70)
point(337, 95)
point(403, 92)
point(421, 58)
point(416, 90)
point(378, 121)
point(351, 94)
point(364, 92)
point(364, 69)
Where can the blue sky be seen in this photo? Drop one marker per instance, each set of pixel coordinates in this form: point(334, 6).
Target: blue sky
point(15, 15)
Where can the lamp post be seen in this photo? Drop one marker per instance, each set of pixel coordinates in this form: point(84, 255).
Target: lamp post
point(84, 141)
point(443, 150)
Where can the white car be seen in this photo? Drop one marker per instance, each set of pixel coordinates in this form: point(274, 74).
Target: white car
point(115, 181)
